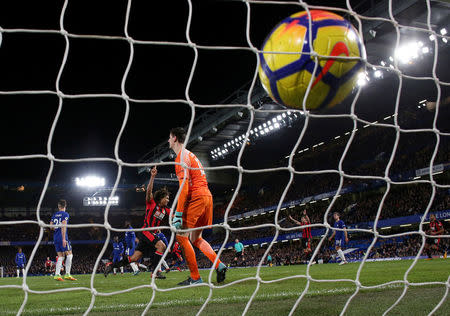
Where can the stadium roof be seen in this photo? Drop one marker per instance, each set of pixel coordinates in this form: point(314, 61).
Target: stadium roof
point(220, 125)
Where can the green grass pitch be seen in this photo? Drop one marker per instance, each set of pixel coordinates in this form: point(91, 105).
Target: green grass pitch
point(273, 298)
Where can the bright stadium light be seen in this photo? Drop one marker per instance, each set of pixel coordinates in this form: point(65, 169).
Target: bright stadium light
point(443, 31)
point(362, 79)
point(383, 63)
point(432, 37)
point(377, 74)
point(90, 182)
point(407, 52)
point(425, 50)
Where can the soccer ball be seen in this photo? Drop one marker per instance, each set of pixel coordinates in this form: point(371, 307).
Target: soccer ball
point(285, 77)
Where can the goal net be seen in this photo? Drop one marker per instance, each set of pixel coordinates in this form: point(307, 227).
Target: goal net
point(380, 158)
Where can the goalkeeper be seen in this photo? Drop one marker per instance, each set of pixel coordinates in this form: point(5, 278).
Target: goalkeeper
point(194, 209)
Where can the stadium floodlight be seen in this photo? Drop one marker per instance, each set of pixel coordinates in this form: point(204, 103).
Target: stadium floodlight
point(444, 40)
point(279, 118)
point(266, 130)
point(383, 63)
point(443, 31)
point(407, 52)
point(362, 79)
point(90, 182)
point(391, 58)
point(283, 115)
point(377, 74)
point(432, 37)
point(276, 125)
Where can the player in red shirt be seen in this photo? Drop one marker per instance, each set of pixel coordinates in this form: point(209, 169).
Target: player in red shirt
point(306, 232)
point(194, 208)
point(435, 228)
point(176, 257)
point(155, 212)
point(48, 266)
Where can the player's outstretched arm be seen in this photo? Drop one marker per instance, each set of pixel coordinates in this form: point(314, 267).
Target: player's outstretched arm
point(149, 193)
point(294, 220)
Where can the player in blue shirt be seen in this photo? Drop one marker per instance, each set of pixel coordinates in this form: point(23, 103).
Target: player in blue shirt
point(130, 242)
point(341, 236)
point(117, 253)
point(61, 240)
point(21, 261)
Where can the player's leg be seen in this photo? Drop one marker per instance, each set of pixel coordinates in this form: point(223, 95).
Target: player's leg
point(69, 257)
point(196, 237)
point(427, 249)
point(189, 254)
point(59, 265)
point(190, 217)
point(129, 252)
point(18, 271)
point(156, 257)
point(340, 252)
point(163, 238)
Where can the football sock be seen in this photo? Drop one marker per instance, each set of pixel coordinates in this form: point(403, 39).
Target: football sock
point(341, 254)
point(189, 254)
point(205, 247)
point(115, 270)
point(69, 263)
point(155, 260)
point(121, 269)
point(23, 272)
point(143, 266)
point(134, 266)
point(18, 272)
point(59, 265)
point(164, 263)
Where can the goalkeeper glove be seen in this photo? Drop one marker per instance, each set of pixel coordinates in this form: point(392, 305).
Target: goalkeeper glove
point(177, 221)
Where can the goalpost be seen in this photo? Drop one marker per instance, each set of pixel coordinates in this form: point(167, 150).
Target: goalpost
point(353, 115)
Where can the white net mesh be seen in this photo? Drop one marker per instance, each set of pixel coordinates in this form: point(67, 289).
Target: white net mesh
point(123, 96)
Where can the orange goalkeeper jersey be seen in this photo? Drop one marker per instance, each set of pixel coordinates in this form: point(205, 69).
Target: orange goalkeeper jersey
point(196, 178)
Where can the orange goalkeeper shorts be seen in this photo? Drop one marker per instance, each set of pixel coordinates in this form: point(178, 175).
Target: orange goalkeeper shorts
point(199, 212)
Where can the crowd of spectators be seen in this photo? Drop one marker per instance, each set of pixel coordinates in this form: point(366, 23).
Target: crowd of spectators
point(369, 154)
